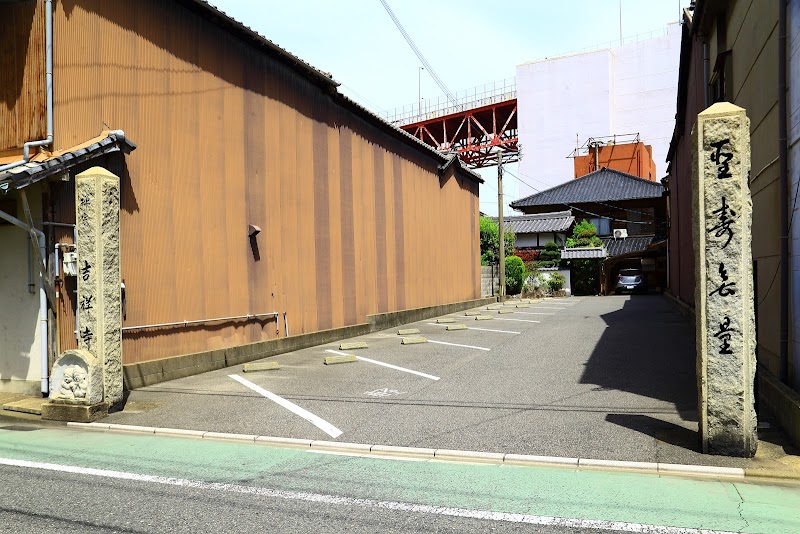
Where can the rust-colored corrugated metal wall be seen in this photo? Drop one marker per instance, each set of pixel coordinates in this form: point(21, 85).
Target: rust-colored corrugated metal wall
point(22, 70)
point(354, 221)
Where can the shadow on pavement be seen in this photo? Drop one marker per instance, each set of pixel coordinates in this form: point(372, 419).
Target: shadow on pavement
point(647, 349)
point(656, 428)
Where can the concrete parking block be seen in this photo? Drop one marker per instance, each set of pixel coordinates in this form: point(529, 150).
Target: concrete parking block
point(482, 317)
point(471, 313)
point(494, 307)
point(347, 358)
point(407, 331)
point(456, 327)
point(353, 345)
point(523, 306)
point(261, 366)
point(505, 310)
point(413, 340)
point(445, 320)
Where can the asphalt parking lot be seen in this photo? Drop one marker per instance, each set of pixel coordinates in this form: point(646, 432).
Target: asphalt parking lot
point(591, 377)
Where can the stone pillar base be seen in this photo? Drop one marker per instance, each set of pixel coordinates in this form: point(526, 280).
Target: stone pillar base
point(75, 413)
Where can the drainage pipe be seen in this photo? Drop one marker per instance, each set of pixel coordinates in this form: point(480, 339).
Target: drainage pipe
point(42, 299)
point(783, 156)
point(200, 321)
point(26, 148)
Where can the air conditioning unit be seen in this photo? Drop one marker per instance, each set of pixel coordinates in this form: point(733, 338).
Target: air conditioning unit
point(620, 233)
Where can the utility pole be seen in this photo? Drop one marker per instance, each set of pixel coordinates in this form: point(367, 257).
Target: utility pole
point(500, 228)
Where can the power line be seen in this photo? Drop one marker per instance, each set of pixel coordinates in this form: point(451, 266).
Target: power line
point(422, 59)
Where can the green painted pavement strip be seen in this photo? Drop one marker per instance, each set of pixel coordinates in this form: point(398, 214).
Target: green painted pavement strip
point(597, 495)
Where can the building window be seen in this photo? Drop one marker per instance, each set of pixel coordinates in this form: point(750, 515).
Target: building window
point(603, 225)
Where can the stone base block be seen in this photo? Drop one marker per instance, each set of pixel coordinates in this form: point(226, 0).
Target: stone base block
point(75, 413)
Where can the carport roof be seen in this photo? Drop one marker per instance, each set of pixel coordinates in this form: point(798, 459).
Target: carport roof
point(627, 245)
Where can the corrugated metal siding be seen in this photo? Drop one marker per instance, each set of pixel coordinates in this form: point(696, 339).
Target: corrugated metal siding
point(353, 221)
point(22, 64)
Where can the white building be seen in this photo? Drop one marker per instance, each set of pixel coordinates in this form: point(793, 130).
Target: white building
point(612, 91)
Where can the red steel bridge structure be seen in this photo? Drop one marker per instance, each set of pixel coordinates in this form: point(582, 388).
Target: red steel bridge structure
point(480, 121)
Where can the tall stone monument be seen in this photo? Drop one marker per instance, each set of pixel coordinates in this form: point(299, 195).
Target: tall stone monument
point(725, 328)
point(99, 297)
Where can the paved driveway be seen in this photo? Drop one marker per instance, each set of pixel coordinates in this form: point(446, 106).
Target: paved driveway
point(594, 377)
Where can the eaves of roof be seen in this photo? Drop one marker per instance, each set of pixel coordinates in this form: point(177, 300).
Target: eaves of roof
point(43, 164)
point(602, 185)
point(544, 222)
point(582, 253)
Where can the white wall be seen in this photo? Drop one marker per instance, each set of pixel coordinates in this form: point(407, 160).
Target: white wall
point(20, 366)
point(794, 164)
point(621, 90)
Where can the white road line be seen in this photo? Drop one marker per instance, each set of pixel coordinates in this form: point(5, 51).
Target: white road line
point(390, 366)
point(340, 500)
point(535, 313)
point(457, 345)
point(546, 308)
point(518, 320)
point(320, 423)
point(481, 329)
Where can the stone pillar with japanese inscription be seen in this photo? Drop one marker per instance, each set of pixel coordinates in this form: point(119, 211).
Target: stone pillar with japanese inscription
point(725, 328)
point(99, 298)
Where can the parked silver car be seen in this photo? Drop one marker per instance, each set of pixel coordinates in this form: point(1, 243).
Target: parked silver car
point(632, 280)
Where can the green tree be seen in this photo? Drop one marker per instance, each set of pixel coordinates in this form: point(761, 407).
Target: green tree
point(490, 241)
point(557, 281)
point(550, 256)
point(516, 273)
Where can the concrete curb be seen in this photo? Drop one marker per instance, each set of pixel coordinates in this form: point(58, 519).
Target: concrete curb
point(493, 458)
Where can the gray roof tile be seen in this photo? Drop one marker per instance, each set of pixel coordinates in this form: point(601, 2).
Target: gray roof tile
point(557, 221)
point(599, 186)
point(627, 245)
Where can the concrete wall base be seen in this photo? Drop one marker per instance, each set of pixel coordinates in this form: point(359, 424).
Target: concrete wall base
point(684, 309)
point(137, 375)
point(76, 413)
point(32, 388)
point(781, 402)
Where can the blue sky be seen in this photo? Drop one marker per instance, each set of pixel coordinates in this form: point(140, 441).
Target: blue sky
point(467, 42)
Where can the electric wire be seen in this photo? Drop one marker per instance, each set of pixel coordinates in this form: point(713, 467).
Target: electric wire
point(421, 57)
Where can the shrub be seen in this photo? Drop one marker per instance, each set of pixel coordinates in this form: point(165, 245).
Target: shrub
point(584, 229)
point(490, 241)
point(556, 282)
point(515, 275)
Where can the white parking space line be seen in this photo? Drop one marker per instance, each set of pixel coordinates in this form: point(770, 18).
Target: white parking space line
point(535, 313)
point(518, 320)
point(481, 329)
point(458, 345)
point(320, 423)
point(546, 308)
point(390, 366)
